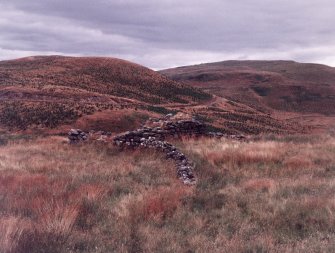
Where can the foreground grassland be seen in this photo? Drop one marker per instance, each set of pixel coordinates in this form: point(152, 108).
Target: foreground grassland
point(267, 195)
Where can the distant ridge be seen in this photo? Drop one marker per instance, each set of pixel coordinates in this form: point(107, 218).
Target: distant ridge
point(285, 86)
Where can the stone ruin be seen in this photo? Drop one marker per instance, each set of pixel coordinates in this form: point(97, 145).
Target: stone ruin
point(76, 136)
point(153, 135)
point(168, 128)
point(184, 166)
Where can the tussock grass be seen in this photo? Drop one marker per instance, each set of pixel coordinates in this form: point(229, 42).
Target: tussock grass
point(267, 195)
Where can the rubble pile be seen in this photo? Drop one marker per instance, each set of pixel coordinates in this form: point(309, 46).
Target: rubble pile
point(76, 136)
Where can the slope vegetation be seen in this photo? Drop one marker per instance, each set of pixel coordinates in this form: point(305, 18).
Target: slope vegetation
point(106, 76)
point(55, 92)
point(267, 86)
point(49, 91)
point(261, 196)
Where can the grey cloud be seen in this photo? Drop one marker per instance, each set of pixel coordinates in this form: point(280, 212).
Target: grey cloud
point(170, 32)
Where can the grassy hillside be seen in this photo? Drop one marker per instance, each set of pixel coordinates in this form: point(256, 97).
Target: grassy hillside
point(49, 91)
point(272, 194)
point(53, 92)
point(108, 76)
point(266, 85)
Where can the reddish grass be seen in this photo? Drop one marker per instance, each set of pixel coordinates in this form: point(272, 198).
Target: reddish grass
point(260, 196)
point(262, 184)
point(161, 203)
point(53, 195)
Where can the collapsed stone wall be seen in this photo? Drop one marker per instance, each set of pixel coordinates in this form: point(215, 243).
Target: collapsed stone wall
point(154, 138)
point(184, 166)
point(153, 135)
point(168, 128)
point(77, 135)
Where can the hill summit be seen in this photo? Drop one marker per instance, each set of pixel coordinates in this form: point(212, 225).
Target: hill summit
point(48, 91)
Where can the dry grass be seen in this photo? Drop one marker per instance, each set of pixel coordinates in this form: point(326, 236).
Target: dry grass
point(278, 194)
point(261, 196)
point(60, 198)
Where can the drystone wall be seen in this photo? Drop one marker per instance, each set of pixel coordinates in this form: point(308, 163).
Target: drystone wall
point(153, 135)
point(77, 135)
point(154, 138)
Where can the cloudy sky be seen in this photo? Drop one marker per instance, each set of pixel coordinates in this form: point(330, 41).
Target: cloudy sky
point(166, 33)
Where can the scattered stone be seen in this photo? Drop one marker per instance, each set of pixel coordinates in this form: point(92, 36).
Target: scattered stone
point(76, 136)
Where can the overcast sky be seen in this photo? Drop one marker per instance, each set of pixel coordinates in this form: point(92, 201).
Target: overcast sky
point(166, 33)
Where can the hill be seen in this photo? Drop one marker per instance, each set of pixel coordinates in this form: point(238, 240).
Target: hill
point(55, 93)
point(52, 90)
point(277, 87)
point(270, 193)
point(108, 76)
